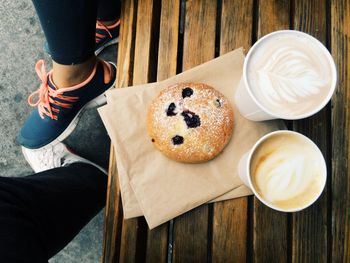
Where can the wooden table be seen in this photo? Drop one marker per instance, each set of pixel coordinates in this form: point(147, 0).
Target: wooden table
point(159, 39)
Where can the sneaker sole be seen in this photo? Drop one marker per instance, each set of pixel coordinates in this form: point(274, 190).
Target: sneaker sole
point(96, 102)
point(24, 152)
point(78, 158)
point(112, 42)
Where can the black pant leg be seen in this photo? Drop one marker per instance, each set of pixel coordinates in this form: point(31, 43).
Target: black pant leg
point(69, 27)
point(42, 213)
point(108, 10)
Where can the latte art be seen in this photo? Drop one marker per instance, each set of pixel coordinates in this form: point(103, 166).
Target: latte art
point(289, 77)
point(289, 74)
point(287, 172)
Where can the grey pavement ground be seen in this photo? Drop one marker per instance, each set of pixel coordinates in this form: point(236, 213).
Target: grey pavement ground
point(21, 42)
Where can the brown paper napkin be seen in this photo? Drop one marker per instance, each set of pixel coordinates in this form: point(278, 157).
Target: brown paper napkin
point(164, 188)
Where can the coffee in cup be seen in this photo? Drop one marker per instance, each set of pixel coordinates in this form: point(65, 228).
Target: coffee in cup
point(287, 74)
point(285, 170)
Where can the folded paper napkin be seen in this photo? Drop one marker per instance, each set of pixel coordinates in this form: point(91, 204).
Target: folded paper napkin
point(157, 187)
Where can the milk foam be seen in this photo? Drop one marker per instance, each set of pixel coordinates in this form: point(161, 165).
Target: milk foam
point(287, 172)
point(289, 74)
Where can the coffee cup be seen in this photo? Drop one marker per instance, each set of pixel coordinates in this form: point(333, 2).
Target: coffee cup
point(285, 170)
point(288, 75)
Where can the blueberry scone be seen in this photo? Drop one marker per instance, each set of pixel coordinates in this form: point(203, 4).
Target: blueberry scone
point(190, 122)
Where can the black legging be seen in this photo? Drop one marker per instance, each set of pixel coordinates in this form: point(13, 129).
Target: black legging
point(69, 26)
point(41, 214)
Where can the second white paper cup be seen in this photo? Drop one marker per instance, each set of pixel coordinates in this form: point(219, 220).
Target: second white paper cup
point(245, 176)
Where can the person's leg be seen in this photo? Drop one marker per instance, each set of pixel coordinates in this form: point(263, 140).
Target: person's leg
point(69, 28)
point(77, 81)
point(107, 24)
point(40, 214)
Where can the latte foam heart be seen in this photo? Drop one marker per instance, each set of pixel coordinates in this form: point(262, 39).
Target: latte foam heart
point(287, 171)
point(289, 74)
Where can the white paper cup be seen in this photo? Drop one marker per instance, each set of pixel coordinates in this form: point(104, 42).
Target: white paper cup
point(245, 174)
point(249, 105)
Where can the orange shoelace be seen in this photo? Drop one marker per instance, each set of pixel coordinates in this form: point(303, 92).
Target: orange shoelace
point(47, 96)
point(100, 25)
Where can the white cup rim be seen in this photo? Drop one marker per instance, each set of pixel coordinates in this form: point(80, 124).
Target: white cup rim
point(323, 102)
point(251, 186)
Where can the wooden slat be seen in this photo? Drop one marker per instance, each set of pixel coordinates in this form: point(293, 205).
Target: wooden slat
point(126, 46)
point(128, 240)
point(157, 239)
point(230, 231)
point(114, 215)
point(340, 44)
point(168, 39)
point(309, 227)
point(143, 42)
point(199, 38)
point(236, 25)
point(191, 236)
point(269, 226)
point(191, 229)
point(134, 231)
point(157, 244)
point(230, 217)
point(272, 15)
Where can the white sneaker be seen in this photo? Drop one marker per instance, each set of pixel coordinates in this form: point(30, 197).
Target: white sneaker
point(55, 156)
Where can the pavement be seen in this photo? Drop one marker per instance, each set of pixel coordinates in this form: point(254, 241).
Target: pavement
point(21, 45)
